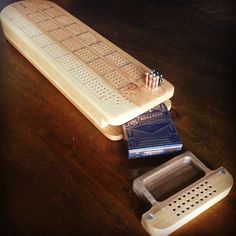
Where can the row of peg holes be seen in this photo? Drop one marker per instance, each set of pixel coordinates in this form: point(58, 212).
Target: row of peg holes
point(31, 30)
point(53, 12)
point(72, 44)
point(102, 48)
point(38, 17)
point(48, 25)
point(189, 195)
point(56, 52)
point(64, 20)
point(88, 37)
point(117, 79)
point(132, 70)
point(100, 66)
point(42, 40)
point(116, 98)
point(117, 59)
point(82, 75)
point(98, 88)
point(68, 62)
point(76, 29)
point(60, 34)
point(86, 55)
point(113, 98)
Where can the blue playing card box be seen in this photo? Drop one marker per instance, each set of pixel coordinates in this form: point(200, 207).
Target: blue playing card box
point(152, 133)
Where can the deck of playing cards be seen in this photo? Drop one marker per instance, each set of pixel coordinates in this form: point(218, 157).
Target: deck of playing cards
point(152, 133)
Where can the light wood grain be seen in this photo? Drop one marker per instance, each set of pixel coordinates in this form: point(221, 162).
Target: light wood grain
point(59, 174)
point(101, 80)
point(180, 190)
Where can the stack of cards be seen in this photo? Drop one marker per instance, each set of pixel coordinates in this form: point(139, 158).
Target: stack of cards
point(152, 133)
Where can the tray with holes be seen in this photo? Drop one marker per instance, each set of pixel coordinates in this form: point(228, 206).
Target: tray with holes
point(178, 191)
point(105, 83)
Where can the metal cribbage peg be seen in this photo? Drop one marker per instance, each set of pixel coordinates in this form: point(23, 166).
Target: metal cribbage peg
point(153, 79)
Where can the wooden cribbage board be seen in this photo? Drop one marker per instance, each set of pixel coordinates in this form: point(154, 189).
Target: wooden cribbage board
point(101, 80)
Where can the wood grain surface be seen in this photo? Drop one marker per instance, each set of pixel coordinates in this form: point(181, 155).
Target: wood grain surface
point(109, 93)
point(60, 176)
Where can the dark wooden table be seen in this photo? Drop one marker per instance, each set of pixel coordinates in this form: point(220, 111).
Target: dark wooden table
point(60, 176)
